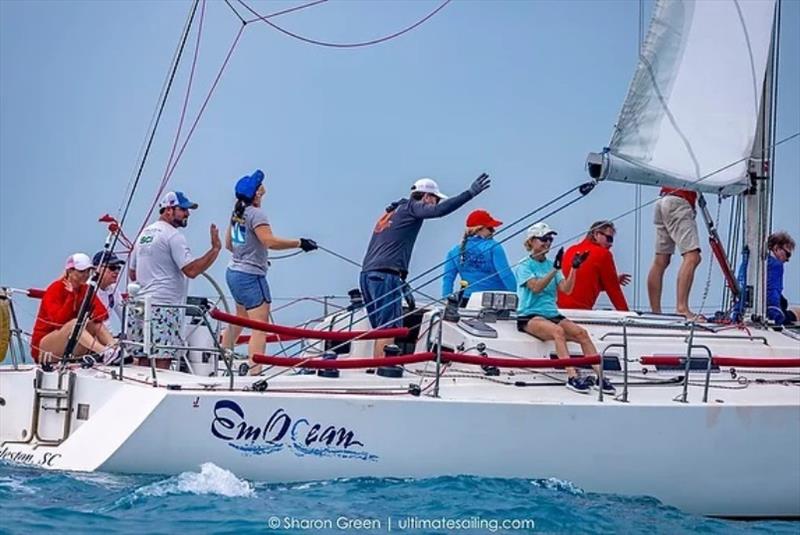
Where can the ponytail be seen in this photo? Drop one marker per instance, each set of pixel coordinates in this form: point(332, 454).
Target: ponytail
point(237, 217)
point(471, 231)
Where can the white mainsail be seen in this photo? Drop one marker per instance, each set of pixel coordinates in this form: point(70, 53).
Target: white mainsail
point(693, 105)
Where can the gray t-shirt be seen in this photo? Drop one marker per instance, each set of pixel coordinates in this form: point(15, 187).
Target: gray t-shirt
point(249, 254)
point(158, 257)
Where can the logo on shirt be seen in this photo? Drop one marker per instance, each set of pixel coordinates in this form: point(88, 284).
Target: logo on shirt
point(237, 234)
point(384, 222)
point(145, 239)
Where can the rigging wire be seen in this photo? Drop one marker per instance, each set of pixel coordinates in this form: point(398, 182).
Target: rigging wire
point(345, 45)
point(238, 16)
point(164, 96)
point(774, 110)
point(637, 232)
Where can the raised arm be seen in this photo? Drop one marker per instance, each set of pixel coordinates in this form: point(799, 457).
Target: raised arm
point(199, 265)
point(447, 206)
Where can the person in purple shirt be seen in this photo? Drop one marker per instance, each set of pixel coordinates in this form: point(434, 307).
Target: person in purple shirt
point(780, 246)
point(385, 265)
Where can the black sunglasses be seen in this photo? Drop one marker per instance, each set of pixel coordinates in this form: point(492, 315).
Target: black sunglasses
point(545, 239)
point(787, 253)
point(609, 237)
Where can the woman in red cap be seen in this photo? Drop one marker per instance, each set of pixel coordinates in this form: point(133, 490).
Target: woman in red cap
point(480, 261)
point(58, 311)
point(249, 238)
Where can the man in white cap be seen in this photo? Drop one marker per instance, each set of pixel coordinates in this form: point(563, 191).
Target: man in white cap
point(385, 265)
point(161, 263)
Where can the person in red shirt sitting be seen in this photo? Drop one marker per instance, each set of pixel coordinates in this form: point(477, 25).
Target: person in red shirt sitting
point(676, 226)
point(59, 311)
point(598, 273)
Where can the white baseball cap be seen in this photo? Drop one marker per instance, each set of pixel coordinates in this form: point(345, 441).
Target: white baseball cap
point(78, 261)
point(540, 230)
point(428, 185)
point(176, 198)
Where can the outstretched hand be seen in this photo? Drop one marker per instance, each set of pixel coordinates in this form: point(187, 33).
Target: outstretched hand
point(579, 259)
point(558, 259)
point(215, 242)
point(480, 184)
point(307, 244)
point(624, 279)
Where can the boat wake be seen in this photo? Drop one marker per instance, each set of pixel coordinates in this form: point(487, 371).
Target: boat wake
point(210, 480)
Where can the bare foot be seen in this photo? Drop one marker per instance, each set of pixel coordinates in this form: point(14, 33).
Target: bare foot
point(691, 316)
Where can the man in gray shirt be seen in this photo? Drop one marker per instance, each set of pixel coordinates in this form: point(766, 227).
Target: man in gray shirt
point(388, 255)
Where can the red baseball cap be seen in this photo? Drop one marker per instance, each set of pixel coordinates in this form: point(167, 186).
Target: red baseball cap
point(482, 218)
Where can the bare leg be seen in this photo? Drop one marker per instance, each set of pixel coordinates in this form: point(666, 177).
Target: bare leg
point(547, 330)
point(655, 280)
point(380, 345)
point(232, 332)
point(257, 338)
point(576, 333)
point(691, 260)
point(56, 341)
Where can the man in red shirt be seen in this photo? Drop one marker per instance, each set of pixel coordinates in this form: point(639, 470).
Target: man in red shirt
point(58, 312)
point(676, 225)
point(598, 273)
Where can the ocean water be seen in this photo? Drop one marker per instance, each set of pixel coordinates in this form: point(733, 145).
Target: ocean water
point(213, 500)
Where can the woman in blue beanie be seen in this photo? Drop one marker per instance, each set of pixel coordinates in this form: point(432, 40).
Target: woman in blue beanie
point(249, 238)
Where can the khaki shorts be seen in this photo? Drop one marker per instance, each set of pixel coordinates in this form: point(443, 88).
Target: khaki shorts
point(675, 223)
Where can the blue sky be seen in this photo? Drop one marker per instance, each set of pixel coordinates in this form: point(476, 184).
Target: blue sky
point(521, 90)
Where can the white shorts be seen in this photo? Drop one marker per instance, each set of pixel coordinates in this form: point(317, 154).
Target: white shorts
point(676, 225)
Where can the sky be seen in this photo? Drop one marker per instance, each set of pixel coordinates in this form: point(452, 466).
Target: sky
point(520, 90)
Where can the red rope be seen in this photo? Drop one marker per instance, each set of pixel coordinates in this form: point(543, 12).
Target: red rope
point(335, 336)
point(736, 362)
point(344, 364)
point(501, 362)
point(346, 45)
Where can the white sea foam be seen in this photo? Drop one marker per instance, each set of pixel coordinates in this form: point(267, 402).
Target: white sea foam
point(15, 486)
point(552, 483)
point(210, 480)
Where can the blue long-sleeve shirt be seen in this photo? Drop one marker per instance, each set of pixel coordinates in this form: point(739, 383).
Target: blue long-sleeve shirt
point(775, 310)
point(484, 267)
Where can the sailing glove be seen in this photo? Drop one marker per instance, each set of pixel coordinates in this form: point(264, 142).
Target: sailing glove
point(481, 183)
point(559, 256)
point(579, 259)
point(307, 244)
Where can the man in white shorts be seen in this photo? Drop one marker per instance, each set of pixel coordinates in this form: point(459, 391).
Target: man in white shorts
point(160, 263)
point(676, 226)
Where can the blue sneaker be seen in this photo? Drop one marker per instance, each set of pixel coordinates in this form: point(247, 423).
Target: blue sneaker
point(608, 388)
point(578, 384)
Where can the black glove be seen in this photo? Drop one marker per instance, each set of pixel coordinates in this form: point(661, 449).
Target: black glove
point(559, 256)
point(481, 183)
point(307, 244)
point(579, 259)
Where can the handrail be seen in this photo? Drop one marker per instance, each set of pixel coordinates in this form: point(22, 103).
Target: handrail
point(336, 336)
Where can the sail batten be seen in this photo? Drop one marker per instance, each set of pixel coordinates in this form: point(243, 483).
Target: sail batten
point(693, 105)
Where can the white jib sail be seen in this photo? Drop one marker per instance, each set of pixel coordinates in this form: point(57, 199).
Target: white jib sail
point(693, 105)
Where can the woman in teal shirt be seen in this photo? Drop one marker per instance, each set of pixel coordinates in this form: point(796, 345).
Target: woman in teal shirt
point(538, 280)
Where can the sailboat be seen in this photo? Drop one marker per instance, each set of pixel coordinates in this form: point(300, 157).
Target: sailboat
point(707, 415)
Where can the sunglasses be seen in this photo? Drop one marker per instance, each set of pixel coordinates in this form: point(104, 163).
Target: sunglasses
point(609, 237)
point(113, 268)
point(545, 239)
point(787, 253)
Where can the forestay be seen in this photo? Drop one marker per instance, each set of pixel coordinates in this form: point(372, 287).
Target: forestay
point(693, 104)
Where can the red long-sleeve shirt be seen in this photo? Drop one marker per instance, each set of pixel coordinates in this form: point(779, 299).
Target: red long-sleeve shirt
point(598, 273)
point(60, 305)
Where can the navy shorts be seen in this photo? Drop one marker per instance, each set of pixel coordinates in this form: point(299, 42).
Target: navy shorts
point(383, 297)
point(248, 290)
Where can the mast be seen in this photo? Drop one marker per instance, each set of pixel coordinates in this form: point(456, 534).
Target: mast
point(758, 199)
